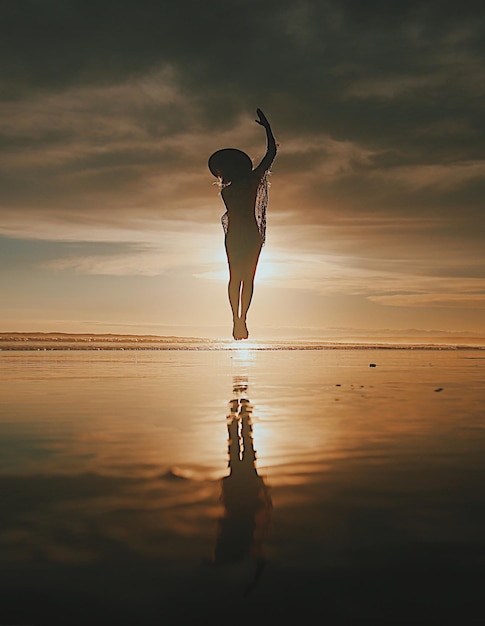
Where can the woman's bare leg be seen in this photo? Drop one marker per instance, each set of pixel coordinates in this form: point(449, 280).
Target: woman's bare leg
point(246, 297)
point(234, 292)
point(247, 294)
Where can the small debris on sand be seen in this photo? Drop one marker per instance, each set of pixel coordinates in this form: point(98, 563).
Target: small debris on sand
point(439, 389)
point(372, 365)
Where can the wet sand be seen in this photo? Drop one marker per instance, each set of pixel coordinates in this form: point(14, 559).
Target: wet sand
point(131, 493)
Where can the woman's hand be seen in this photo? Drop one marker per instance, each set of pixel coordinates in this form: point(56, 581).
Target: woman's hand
point(262, 119)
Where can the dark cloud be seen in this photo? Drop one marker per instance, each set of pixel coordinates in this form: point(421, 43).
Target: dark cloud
point(380, 74)
point(116, 104)
point(374, 72)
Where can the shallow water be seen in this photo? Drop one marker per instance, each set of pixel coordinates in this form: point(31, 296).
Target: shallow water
point(122, 503)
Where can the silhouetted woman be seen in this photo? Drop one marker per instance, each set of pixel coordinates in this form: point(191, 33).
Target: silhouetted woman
point(244, 191)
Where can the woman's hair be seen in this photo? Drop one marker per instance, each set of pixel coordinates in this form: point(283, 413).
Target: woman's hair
point(230, 164)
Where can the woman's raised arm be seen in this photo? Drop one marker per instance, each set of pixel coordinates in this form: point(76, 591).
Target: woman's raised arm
point(271, 148)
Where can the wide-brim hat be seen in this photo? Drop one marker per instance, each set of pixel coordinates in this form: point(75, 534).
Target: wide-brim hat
point(229, 160)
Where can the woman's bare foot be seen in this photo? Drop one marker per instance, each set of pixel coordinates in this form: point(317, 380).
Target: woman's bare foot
point(239, 330)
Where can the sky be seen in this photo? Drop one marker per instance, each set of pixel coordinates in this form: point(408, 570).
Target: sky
point(109, 216)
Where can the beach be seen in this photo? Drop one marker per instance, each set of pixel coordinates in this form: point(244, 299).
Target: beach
point(233, 484)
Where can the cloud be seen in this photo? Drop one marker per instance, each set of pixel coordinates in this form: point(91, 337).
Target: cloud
point(120, 104)
point(110, 154)
point(111, 110)
point(434, 300)
point(167, 252)
point(138, 263)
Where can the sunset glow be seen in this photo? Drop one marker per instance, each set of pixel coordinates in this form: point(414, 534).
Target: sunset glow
point(110, 219)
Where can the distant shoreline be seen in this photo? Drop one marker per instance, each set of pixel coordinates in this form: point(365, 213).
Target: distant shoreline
point(38, 341)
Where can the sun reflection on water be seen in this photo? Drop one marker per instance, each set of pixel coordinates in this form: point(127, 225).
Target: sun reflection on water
point(245, 354)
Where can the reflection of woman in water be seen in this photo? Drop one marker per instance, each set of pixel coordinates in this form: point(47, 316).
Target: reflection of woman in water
point(245, 195)
point(247, 503)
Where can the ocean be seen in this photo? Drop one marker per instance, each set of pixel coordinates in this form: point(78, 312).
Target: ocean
point(241, 483)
